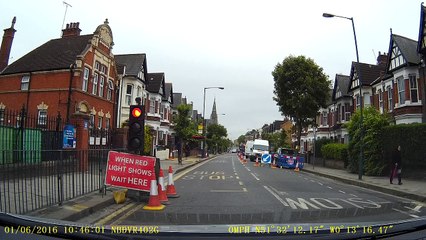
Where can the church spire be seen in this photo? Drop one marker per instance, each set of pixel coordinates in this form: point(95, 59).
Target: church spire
point(213, 116)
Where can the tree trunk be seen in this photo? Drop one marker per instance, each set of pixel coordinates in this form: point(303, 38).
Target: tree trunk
point(299, 134)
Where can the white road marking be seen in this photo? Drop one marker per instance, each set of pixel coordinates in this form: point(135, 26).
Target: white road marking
point(241, 183)
point(411, 215)
point(276, 196)
point(329, 187)
point(255, 177)
point(353, 195)
point(416, 209)
point(320, 184)
point(342, 191)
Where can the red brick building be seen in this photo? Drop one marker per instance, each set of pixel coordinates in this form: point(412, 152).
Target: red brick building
point(74, 75)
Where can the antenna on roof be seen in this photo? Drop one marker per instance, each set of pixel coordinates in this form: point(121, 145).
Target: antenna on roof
point(65, 14)
point(374, 53)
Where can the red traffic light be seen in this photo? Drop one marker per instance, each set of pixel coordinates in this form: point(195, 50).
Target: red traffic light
point(136, 112)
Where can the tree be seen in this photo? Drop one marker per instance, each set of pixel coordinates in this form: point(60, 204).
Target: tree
point(373, 125)
point(215, 135)
point(241, 139)
point(184, 128)
point(301, 89)
point(276, 140)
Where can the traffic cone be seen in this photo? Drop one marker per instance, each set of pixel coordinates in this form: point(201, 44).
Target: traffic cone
point(154, 203)
point(297, 167)
point(171, 190)
point(162, 189)
point(273, 165)
point(257, 162)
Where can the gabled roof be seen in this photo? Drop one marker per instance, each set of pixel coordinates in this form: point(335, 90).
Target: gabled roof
point(169, 92)
point(154, 82)
point(133, 63)
point(367, 73)
point(342, 83)
point(408, 48)
point(421, 44)
point(177, 100)
point(53, 55)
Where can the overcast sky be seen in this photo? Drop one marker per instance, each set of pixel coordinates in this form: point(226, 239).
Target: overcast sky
point(233, 44)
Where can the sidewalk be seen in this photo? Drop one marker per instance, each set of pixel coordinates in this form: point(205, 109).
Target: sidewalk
point(411, 189)
point(80, 207)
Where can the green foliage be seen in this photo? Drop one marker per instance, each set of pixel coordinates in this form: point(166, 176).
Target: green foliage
point(147, 141)
point(216, 134)
point(241, 139)
point(373, 125)
point(337, 151)
point(301, 89)
point(412, 139)
point(184, 127)
point(276, 140)
point(318, 146)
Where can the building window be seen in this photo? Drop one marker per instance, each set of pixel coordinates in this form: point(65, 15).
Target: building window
point(92, 121)
point(390, 95)
point(1, 116)
point(107, 123)
point(85, 79)
point(129, 97)
point(324, 119)
point(103, 69)
point(110, 90)
point(152, 105)
point(358, 102)
point(42, 117)
point(99, 122)
point(97, 65)
point(381, 99)
point(347, 112)
point(401, 90)
point(413, 88)
point(95, 84)
point(162, 111)
point(101, 86)
point(25, 82)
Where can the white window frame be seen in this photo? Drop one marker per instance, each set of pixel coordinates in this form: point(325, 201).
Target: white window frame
point(401, 90)
point(110, 89)
point(152, 105)
point(107, 123)
point(390, 98)
point(381, 106)
point(100, 122)
point(101, 86)
point(95, 84)
point(42, 117)
point(25, 83)
point(129, 96)
point(86, 75)
point(413, 88)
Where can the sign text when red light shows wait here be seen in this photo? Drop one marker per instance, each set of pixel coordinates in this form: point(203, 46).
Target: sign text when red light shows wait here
point(129, 171)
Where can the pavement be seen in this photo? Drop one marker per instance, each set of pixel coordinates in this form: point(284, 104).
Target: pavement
point(78, 208)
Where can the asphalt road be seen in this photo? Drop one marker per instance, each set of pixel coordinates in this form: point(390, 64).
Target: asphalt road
point(225, 191)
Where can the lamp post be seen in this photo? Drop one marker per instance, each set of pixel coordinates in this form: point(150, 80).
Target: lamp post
point(361, 155)
point(204, 119)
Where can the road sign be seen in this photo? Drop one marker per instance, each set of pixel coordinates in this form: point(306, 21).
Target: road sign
point(129, 171)
point(266, 158)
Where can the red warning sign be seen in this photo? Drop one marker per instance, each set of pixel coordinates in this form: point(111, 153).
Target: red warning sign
point(129, 171)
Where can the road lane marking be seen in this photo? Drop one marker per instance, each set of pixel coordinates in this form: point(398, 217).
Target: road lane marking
point(128, 214)
point(320, 184)
point(416, 209)
point(241, 183)
point(237, 177)
point(111, 216)
point(276, 196)
point(329, 187)
point(279, 192)
point(255, 177)
point(180, 174)
point(229, 190)
point(353, 195)
point(411, 215)
point(342, 191)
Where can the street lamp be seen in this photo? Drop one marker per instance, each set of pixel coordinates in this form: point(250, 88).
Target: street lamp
point(361, 155)
point(204, 119)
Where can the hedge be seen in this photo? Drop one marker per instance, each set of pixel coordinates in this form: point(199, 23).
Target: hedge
point(337, 151)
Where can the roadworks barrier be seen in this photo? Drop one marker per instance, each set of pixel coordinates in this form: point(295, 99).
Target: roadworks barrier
point(171, 190)
point(162, 189)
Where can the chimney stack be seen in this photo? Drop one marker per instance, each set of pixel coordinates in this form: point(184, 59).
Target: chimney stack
point(6, 45)
point(71, 30)
point(382, 59)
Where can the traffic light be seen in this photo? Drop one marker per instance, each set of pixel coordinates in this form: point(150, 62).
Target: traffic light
point(136, 128)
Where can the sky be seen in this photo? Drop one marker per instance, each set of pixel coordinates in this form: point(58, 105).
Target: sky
point(234, 44)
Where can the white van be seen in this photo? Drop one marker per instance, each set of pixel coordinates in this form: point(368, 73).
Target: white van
point(260, 147)
point(248, 151)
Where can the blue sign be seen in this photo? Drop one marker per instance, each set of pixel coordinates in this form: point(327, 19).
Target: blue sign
point(69, 137)
point(266, 158)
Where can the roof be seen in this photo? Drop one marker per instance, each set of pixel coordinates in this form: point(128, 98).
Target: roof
point(177, 100)
point(342, 83)
point(169, 92)
point(408, 48)
point(53, 55)
point(154, 82)
point(367, 73)
point(133, 62)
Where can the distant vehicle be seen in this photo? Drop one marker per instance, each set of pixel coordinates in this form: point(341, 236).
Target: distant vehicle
point(288, 158)
point(248, 151)
point(260, 147)
point(234, 150)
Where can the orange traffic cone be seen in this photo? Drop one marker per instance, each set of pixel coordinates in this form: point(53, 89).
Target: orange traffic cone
point(162, 189)
point(171, 190)
point(154, 203)
point(273, 165)
point(297, 167)
point(257, 162)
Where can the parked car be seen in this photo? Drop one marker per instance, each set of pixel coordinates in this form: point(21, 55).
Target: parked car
point(288, 158)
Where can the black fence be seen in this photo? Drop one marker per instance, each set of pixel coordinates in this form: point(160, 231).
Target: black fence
point(35, 172)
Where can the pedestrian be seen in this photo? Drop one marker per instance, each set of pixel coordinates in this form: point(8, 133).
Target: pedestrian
point(396, 166)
